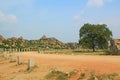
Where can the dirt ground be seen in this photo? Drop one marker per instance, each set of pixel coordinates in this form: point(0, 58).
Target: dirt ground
point(46, 62)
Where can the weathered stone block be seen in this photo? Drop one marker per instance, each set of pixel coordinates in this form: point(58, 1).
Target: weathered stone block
point(19, 60)
point(6, 55)
point(31, 63)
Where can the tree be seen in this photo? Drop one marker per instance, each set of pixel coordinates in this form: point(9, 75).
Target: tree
point(94, 36)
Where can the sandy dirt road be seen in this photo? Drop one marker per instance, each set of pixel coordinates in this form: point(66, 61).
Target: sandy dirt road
point(46, 62)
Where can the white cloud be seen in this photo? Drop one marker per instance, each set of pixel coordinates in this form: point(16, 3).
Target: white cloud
point(7, 18)
point(97, 3)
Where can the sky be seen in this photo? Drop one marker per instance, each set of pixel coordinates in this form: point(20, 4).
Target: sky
point(61, 19)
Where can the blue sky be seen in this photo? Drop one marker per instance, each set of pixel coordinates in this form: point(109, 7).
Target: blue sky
point(61, 19)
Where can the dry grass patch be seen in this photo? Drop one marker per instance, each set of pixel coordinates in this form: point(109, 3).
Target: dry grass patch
point(89, 75)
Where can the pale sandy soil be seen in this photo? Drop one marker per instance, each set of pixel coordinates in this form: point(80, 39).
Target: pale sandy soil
point(46, 62)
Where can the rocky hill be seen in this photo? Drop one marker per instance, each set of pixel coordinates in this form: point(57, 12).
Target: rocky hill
point(43, 43)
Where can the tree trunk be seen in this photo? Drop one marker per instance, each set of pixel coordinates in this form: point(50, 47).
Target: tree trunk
point(93, 45)
point(93, 48)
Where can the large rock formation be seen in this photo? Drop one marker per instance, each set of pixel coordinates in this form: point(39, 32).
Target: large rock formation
point(115, 46)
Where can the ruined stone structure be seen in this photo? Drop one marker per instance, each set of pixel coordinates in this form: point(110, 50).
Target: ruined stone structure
point(6, 55)
point(115, 46)
point(31, 64)
point(19, 60)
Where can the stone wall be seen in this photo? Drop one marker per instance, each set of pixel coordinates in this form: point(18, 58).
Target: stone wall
point(115, 46)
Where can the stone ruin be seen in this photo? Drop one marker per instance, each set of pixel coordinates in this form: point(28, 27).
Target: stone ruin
point(6, 55)
point(19, 60)
point(31, 64)
point(115, 46)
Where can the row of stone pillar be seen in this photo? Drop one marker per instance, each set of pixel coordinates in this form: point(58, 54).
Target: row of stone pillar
point(31, 62)
point(16, 50)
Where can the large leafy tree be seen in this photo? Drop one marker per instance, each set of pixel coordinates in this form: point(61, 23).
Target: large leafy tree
point(94, 36)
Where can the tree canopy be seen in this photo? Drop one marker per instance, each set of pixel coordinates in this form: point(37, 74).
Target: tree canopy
point(94, 36)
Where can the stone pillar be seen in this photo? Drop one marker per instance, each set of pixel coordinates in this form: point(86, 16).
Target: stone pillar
point(5, 55)
point(16, 50)
point(31, 64)
point(5, 49)
point(29, 49)
point(38, 50)
point(19, 60)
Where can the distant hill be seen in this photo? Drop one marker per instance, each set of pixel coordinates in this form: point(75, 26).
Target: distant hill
point(43, 43)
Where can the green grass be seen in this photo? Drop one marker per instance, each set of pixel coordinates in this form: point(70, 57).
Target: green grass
point(76, 52)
